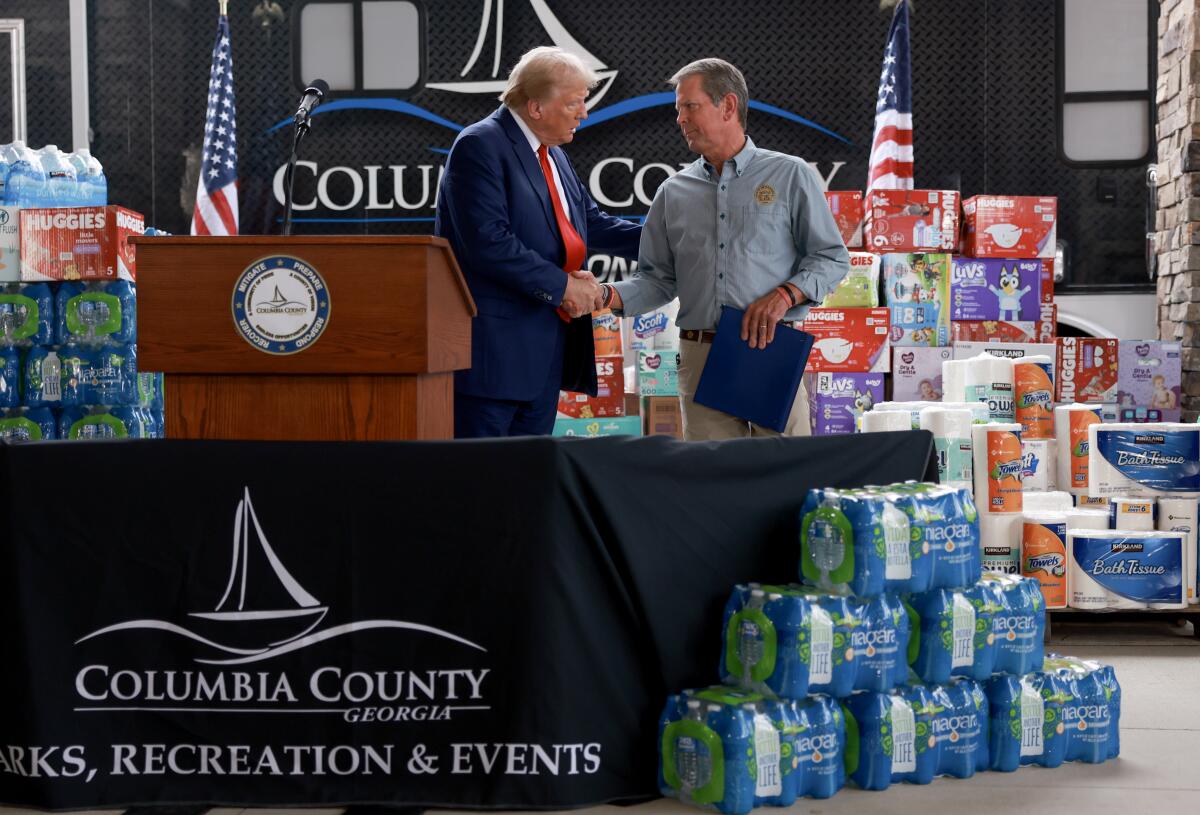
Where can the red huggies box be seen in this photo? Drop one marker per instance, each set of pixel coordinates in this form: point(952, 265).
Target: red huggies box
point(79, 243)
point(1010, 226)
point(847, 209)
point(848, 340)
point(610, 393)
point(1087, 369)
point(911, 221)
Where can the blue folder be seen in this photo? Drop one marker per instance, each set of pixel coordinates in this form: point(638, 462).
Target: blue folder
point(755, 384)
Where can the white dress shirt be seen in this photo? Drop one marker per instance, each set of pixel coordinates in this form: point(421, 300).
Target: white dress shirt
point(534, 144)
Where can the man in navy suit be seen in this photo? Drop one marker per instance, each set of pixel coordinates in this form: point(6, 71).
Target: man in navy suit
point(521, 223)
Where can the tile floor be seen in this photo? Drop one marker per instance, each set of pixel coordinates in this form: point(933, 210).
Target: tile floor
point(1158, 771)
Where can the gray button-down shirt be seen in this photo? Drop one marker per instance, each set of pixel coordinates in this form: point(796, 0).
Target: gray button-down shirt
point(729, 240)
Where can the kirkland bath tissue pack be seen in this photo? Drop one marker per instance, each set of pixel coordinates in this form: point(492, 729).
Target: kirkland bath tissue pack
point(1118, 570)
point(1143, 459)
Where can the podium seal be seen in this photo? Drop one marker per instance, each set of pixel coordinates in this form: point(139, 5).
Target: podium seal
point(280, 305)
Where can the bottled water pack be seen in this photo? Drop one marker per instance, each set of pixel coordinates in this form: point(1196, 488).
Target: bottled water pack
point(26, 314)
point(50, 178)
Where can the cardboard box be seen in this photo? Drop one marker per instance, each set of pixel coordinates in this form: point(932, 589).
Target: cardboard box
point(10, 244)
point(664, 416)
point(1086, 370)
point(658, 373)
point(1047, 280)
point(860, 287)
point(1010, 226)
point(1047, 325)
point(836, 401)
point(848, 340)
point(911, 221)
point(917, 373)
point(79, 243)
point(1149, 381)
point(997, 330)
point(1012, 350)
point(592, 428)
point(655, 330)
point(916, 287)
point(606, 332)
point(995, 289)
point(609, 400)
point(847, 209)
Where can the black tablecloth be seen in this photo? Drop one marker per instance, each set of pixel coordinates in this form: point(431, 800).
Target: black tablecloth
point(468, 624)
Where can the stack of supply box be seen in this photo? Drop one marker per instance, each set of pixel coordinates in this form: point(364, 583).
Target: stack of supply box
point(68, 324)
point(897, 661)
point(654, 341)
point(604, 414)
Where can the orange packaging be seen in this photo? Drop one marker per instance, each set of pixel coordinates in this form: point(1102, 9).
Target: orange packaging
point(606, 331)
point(1078, 423)
point(1005, 465)
point(1044, 557)
point(1033, 386)
point(609, 400)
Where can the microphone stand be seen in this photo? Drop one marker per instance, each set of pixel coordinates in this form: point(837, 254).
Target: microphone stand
point(290, 173)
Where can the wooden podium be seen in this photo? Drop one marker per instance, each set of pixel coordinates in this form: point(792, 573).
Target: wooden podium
point(397, 324)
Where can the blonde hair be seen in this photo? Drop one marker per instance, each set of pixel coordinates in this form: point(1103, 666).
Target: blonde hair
point(540, 71)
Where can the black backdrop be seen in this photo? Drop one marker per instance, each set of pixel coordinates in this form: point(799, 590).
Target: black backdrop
point(544, 594)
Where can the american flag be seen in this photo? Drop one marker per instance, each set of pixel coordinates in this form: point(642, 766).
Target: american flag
point(891, 165)
point(216, 210)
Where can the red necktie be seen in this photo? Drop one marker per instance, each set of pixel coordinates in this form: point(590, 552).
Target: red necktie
point(576, 251)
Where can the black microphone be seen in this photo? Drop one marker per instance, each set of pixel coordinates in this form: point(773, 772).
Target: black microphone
point(313, 95)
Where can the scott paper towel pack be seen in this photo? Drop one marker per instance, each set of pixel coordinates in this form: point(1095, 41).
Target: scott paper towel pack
point(1071, 432)
point(999, 466)
point(1116, 570)
point(1182, 514)
point(1143, 459)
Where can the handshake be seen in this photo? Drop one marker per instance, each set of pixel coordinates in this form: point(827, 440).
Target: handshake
point(583, 295)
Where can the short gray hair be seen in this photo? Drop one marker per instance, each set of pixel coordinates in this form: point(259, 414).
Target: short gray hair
point(540, 71)
point(718, 78)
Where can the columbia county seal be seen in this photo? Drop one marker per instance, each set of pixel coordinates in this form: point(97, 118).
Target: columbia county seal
point(280, 305)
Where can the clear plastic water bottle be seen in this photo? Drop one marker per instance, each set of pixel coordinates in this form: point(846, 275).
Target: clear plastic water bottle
point(89, 175)
point(7, 157)
point(61, 186)
point(26, 179)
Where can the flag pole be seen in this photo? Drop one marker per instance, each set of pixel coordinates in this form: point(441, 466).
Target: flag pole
point(224, 7)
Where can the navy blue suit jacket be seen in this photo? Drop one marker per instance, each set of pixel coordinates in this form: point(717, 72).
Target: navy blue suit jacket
point(494, 208)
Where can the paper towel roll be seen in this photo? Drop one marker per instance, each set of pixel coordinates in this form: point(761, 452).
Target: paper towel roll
point(951, 431)
point(1033, 394)
point(998, 465)
point(1040, 461)
point(1087, 519)
point(1000, 537)
point(1044, 552)
point(875, 421)
point(989, 379)
point(1084, 592)
point(1047, 501)
point(954, 381)
point(1182, 514)
point(911, 409)
point(979, 411)
point(1071, 424)
point(1143, 459)
point(1131, 514)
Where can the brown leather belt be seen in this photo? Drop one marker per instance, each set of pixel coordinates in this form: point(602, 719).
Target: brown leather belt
point(693, 335)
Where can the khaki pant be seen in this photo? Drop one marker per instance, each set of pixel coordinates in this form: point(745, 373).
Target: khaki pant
point(702, 423)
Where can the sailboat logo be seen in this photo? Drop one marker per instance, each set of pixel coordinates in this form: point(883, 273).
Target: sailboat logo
point(279, 303)
point(241, 631)
point(558, 35)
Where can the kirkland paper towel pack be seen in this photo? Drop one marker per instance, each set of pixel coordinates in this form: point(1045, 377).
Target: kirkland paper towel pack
point(1126, 570)
point(1039, 461)
point(1000, 536)
point(998, 467)
point(954, 380)
point(1143, 459)
point(1131, 514)
point(1033, 394)
point(989, 379)
point(951, 431)
point(1182, 514)
point(978, 410)
point(910, 409)
point(880, 421)
point(1071, 423)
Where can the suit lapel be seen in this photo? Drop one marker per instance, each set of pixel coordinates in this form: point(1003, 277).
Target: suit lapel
point(529, 163)
point(574, 202)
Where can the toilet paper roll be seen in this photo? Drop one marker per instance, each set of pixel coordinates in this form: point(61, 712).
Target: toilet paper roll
point(1182, 514)
point(979, 411)
point(989, 379)
point(998, 466)
point(1047, 501)
point(1136, 570)
point(1000, 537)
point(954, 381)
point(1033, 395)
point(1087, 519)
point(911, 409)
point(875, 421)
point(1040, 462)
point(1144, 459)
point(1044, 553)
point(1131, 514)
point(1071, 423)
point(952, 440)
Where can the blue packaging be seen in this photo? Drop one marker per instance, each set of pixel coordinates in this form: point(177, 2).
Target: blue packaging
point(832, 668)
point(112, 376)
point(880, 739)
point(854, 541)
point(881, 644)
point(953, 634)
point(126, 296)
point(1149, 459)
point(1088, 717)
point(1144, 567)
point(925, 709)
point(75, 366)
point(79, 424)
point(818, 749)
point(150, 389)
point(30, 425)
point(718, 749)
point(93, 315)
point(27, 316)
point(132, 419)
point(960, 728)
point(41, 378)
point(766, 647)
point(948, 522)
point(1025, 720)
point(1019, 624)
point(10, 377)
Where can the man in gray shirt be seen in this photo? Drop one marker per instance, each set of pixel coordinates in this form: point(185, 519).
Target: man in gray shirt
point(740, 226)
